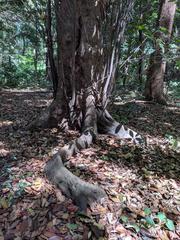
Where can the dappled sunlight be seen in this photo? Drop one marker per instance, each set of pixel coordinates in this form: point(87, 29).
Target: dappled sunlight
point(5, 123)
point(39, 104)
point(134, 177)
point(15, 103)
point(150, 119)
point(133, 180)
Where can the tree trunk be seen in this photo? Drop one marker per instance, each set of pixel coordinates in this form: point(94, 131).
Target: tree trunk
point(141, 48)
point(89, 34)
point(52, 74)
point(154, 88)
point(36, 45)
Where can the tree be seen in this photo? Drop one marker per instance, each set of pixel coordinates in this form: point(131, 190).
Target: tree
point(154, 88)
point(141, 48)
point(50, 50)
point(89, 35)
point(22, 43)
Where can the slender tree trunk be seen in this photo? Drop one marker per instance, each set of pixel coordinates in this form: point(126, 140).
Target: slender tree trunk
point(140, 64)
point(141, 38)
point(24, 45)
point(126, 66)
point(154, 88)
point(50, 51)
point(36, 44)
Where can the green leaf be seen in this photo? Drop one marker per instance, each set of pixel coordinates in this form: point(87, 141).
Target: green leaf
point(4, 203)
point(161, 216)
point(124, 219)
point(72, 226)
point(147, 211)
point(141, 27)
point(170, 225)
point(105, 158)
point(150, 221)
point(163, 29)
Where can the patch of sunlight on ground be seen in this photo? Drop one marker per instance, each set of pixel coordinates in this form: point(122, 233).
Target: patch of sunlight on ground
point(5, 123)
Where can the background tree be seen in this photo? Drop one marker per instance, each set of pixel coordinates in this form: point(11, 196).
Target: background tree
point(154, 89)
point(22, 43)
point(51, 66)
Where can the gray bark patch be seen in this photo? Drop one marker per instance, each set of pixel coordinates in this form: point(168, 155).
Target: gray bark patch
point(81, 192)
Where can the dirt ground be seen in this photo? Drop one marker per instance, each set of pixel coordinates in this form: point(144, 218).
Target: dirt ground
point(142, 182)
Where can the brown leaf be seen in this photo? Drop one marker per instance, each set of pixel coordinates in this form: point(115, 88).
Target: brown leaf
point(23, 226)
point(4, 203)
point(120, 229)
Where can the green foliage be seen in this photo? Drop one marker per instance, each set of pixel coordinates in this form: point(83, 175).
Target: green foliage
point(72, 226)
point(147, 211)
point(149, 221)
point(22, 44)
point(21, 72)
point(124, 219)
point(139, 44)
point(170, 225)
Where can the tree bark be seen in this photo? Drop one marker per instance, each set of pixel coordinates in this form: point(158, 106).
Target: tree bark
point(154, 87)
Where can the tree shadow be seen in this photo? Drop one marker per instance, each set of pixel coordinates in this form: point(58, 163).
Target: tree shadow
point(17, 109)
point(23, 154)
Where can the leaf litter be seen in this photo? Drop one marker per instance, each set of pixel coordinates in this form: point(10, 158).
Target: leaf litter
point(142, 183)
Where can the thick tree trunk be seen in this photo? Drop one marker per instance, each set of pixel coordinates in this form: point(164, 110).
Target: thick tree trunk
point(154, 88)
point(88, 39)
point(88, 52)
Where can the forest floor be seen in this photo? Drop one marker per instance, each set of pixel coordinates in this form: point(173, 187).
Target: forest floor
point(142, 182)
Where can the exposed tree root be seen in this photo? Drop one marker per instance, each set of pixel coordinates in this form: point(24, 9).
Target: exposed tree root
point(81, 192)
point(107, 125)
point(95, 120)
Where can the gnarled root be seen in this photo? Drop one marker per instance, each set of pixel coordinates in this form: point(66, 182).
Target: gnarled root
point(81, 192)
point(107, 125)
